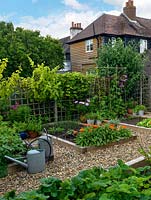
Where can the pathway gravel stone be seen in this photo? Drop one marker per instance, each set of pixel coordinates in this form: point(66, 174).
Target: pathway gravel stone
point(68, 162)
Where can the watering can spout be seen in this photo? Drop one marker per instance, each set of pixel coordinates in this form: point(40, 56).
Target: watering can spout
point(17, 161)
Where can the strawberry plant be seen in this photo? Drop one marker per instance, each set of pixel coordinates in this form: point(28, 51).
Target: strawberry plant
point(117, 183)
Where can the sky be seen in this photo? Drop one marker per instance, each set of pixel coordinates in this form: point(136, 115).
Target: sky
point(54, 17)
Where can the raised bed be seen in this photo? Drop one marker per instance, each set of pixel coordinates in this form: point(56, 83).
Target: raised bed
point(138, 129)
point(138, 162)
point(87, 149)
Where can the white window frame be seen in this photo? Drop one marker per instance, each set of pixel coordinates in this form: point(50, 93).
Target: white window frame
point(143, 45)
point(113, 40)
point(89, 45)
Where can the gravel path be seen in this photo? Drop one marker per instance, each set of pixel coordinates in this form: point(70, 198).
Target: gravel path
point(68, 162)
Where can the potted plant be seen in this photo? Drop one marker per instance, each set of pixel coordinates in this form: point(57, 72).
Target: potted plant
point(91, 117)
point(99, 118)
point(139, 109)
point(34, 127)
point(130, 104)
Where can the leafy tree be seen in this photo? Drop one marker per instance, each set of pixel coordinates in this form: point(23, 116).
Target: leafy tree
point(119, 57)
point(19, 44)
point(124, 61)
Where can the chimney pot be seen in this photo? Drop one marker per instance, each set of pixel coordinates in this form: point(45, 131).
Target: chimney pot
point(130, 10)
point(75, 29)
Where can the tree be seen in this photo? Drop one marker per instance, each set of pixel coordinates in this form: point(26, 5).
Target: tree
point(19, 44)
point(118, 56)
point(123, 60)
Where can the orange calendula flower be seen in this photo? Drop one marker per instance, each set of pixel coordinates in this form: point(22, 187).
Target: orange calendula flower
point(95, 126)
point(123, 126)
point(112, 126)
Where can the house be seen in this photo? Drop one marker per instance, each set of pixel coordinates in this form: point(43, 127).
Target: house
point(74, 30)
point(84, 45)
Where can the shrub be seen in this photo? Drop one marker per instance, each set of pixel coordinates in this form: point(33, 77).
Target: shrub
point(19, 113)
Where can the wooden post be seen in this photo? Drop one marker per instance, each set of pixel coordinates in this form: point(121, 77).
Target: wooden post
point(149, 92)
point(55, 111)
point(141, 91)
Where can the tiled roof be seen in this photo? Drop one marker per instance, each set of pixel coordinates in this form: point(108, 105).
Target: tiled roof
point(115, 25)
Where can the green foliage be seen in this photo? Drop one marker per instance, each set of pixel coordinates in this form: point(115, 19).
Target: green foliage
point(20, 126)
point(112, 104)
point(4, 107)
point(51, 187)
point(101, 135)
point(3, 169)
point(91, 115)
point(62, 126)
point(17, 44)
point(125, 59)
point(33, 195)
point(10, 142)
point(145, 123)
point(75, 85)
point(34, 124)
point(121, 60)
point(19, 113)
point(45, 83)
point(146, 152)
point(121, 182)
point(139, 107)
point(53, 130)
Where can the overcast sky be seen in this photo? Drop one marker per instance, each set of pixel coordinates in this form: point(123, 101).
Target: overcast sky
point(54, 17)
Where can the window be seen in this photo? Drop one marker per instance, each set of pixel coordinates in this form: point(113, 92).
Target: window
point(89, 45)
point(113, 40)
point(143, 45)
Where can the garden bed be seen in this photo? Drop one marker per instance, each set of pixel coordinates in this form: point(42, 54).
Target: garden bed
point(65, 142)
point(138, 162)
point(138, 129)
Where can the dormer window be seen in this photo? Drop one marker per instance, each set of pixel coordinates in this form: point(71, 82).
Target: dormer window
point(143, 45)
point(89, 45)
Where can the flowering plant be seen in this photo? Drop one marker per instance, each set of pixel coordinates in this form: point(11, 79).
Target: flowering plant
point(82, 106)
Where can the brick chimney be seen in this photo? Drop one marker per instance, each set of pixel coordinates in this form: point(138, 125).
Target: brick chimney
point(75, 29)
point(130, 10)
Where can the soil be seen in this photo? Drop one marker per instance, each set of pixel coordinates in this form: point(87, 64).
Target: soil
point(132, 121)
point(68, 134)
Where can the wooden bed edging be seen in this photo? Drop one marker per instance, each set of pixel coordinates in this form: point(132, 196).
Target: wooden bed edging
point(87, 149)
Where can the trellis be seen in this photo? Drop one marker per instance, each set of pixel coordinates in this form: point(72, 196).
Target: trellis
point(65, 109)
point(142, 92)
